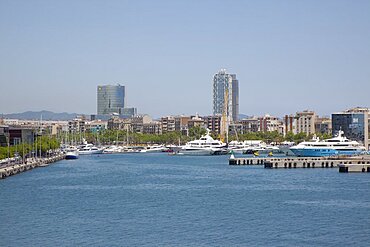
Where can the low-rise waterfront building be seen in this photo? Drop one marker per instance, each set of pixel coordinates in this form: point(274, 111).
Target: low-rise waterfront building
point(137, 123)
point(213, 123)
point(354, 123)
point(16, 135)
point(77, 125)
point(249, 125)
point(114, 123)
point(305, 122)
point(154, 127)
point(289, 124)
point(181, 123)
point(4, 134)
point(96, 126)
point(269, 123)
point(50, 127)
point(323, 125)
point(196, 121)
point(13, 122)
point(235, 128)
point(168, 124)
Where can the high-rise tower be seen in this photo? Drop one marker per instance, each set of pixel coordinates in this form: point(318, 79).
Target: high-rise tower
point(111, 99)
point(224, 83)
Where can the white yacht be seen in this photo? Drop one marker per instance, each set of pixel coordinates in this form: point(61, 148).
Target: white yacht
point(154, 149)
point(113, 149)
point(71, 153)
point(88, 148)
point(173, 149)
point(251, 147)
point(206, 145)
point(261, 148)
point(339, 145)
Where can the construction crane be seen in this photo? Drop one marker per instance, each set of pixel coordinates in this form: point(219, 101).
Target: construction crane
point(225, 116)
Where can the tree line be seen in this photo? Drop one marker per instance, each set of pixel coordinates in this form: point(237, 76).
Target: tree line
point(107, 137)
point(43, 143)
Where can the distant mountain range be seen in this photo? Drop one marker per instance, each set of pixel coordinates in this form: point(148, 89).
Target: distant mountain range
point(48, 115)
point(37, 115)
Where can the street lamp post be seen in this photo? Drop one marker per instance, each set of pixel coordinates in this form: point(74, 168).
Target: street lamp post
point(8, 142)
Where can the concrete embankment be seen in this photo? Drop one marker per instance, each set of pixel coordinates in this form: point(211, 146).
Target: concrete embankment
point(14, 169)
point(345, 164)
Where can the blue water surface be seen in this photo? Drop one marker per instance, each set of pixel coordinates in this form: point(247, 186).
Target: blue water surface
point(161, 200)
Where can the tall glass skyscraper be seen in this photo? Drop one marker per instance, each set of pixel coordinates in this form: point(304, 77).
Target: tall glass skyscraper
point(235, 97)
point(222, 81)
point(111, 99)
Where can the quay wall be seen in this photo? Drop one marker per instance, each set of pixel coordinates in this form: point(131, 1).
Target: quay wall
point(345, 164)
point(14, 169)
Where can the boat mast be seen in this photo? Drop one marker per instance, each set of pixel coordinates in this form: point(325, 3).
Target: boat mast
point(127, 135)
point(40, 134)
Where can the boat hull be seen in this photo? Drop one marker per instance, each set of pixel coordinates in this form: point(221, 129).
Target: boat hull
point(90, 152)
point(314, 152)
point(153, 150)
point(304, 152)
point(204, 151)
point(196, 152)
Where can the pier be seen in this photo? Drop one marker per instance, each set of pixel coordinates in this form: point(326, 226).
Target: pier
point(31, 163)
point(345, 164)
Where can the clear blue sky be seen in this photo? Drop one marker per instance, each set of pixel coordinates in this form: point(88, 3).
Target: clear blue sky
point(288, 55)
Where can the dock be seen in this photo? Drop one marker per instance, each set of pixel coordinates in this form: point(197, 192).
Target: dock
point(345, 164)
point(30, 164)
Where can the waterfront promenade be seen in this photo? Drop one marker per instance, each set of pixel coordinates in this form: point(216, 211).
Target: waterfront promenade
point(13, 168)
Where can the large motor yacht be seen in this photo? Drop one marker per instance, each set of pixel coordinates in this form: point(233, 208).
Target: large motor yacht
point(206, 145)
point(88, 148)
point(339, 145)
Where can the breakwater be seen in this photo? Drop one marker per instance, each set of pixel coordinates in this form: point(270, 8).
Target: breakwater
point(31, 163)
point(345, 164)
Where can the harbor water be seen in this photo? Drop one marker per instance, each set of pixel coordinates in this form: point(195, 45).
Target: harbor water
point(162, 200)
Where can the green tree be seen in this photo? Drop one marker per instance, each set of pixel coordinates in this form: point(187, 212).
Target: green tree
point(196, 132)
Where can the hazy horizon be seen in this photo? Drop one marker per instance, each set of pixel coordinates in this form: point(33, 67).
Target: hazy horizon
point(288, 55)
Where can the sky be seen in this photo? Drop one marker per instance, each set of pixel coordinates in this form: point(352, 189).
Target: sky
point(288, 55)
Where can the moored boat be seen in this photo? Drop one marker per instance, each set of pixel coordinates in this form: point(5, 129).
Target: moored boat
point(339, 145)
point(71, 153)
point(89, 149)
point(251, 147)
point(154, 149)
point(206, 145)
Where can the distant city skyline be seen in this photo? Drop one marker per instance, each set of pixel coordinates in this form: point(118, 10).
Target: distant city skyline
point(288, 55)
